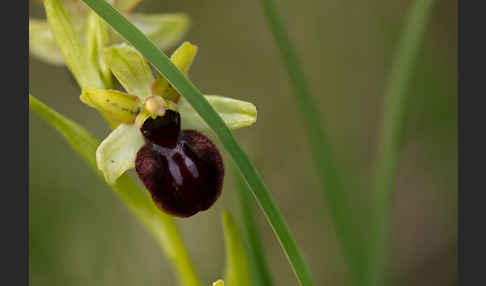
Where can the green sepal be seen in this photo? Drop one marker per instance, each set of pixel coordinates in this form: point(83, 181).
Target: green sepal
point(235, 113)
point(117, 153)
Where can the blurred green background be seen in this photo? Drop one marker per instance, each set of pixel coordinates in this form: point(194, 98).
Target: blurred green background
point(80, 234)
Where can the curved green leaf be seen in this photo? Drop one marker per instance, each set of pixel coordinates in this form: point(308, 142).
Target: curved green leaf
point(391, 131)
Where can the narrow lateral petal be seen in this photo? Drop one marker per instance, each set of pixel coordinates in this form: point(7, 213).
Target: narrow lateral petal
point(117, 105)
point(182, 58)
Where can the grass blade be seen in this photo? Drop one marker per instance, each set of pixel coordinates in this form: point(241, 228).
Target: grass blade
point(162, 226)
point(391, 132)
point(261, 275)
point(338, 201)
point(162, 63)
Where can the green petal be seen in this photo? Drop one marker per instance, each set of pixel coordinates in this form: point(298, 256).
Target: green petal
point(237, 267)
point(182, 58)
point(235, 113)
point(126, 5)
point(130, 68)
point(42, 44)
point(116, 154)
point(165, 30)
point(117, 105)
point(68, 41)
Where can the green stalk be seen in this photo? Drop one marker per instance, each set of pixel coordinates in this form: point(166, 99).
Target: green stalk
point(260, 273)
point(237, 269)
point(391, 132)
point(338, 201)
point(179, 81)
point(162, 226)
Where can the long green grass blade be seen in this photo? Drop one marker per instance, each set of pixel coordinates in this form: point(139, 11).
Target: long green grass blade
point(162, 63)
point(337, 199)
point(260, 273)
point(162, 226)
point(391, 133)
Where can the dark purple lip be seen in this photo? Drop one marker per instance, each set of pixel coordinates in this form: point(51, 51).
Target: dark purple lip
point(182, 170)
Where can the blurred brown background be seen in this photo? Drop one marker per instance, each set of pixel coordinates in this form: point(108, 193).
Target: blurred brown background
point(80, 234)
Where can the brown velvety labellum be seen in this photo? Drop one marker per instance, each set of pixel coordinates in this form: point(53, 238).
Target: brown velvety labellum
point(183, 171)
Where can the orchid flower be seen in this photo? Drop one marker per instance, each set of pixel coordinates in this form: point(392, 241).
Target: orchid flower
point(116, 154)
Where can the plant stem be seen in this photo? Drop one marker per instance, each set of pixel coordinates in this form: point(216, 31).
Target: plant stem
point(237, 272)
point(338, 201)
point(391, 132)
point(261, 275)
point(162, 226)
point(179, 81)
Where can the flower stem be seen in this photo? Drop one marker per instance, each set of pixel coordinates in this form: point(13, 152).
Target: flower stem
point(391, 132)
point(338, 201)
point(180, 82)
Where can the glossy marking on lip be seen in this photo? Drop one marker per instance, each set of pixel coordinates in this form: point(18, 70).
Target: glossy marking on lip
point(183, 171)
